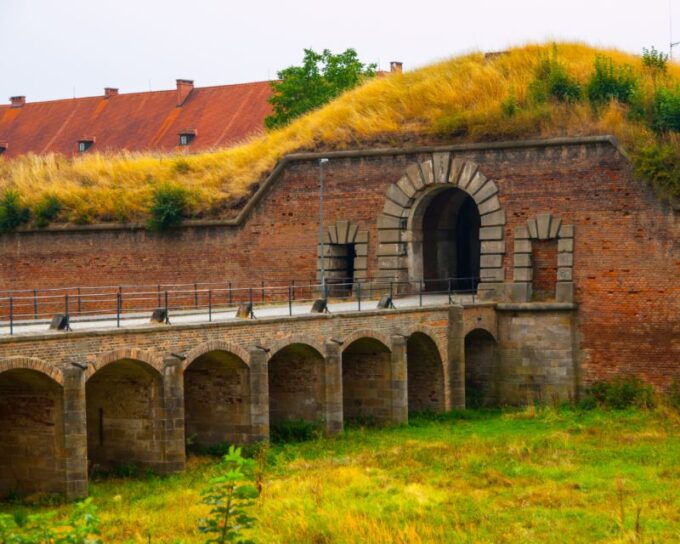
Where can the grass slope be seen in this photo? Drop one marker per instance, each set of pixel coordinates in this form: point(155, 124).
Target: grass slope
point(484, 477)
point(461, 99)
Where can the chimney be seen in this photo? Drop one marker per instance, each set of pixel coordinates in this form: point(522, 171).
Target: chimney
point(110, 91)
point(184, 88)
point(396, 67)
point(17, 101)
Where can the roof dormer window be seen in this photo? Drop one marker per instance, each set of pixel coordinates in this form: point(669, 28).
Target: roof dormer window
point(187, 136)
point(85, 144)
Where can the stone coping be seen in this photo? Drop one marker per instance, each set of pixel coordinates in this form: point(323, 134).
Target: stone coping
point(355, 153)
point(536, 307)
point(55, 335)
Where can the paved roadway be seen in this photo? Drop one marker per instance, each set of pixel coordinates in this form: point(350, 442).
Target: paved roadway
point(108, 321)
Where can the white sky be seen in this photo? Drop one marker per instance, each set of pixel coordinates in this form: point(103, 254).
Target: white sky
point(50, 47)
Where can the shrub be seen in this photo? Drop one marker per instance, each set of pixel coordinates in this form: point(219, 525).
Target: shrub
point(13, 213)
point(674, 394)
point(229, 500)
point(659, 164)
point(46, 211)
point(181, 166)
point(168, 208)
point(552, 81)
point(666, 110)
point(612, 82)
point(82, 527)
point(623, 392)
point(654, 60)
point(295, 431)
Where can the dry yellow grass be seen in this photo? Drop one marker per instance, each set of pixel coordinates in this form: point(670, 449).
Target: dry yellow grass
point(400, 107)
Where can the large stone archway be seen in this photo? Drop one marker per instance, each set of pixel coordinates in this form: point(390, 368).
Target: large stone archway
point(401, 245)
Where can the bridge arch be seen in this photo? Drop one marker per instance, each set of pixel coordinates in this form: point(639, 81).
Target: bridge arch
point(367, 378)
point(481, 368)
point(296, 382)
point(125, 410)
point(32, 457)
point(217, 396)
point(426, 374)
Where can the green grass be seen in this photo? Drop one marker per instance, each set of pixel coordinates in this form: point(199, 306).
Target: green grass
point(530, 476)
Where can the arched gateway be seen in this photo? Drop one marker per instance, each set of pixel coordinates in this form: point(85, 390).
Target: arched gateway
point(442, 219)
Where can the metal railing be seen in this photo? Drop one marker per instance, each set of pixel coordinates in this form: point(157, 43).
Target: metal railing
point(111, 306)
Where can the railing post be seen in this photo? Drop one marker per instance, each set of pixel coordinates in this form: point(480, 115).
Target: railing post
point(195, 295)
point(290, 300)
point(391, 290)
point(420, 294)
point(449, 289)
point(78, 300)
point(250, 296)
point(35, 304)
point(359, 295)
point(262, 285)
point(293, 293)
point(158, 291)
point(11, 315)
point(209, 304)
point(231, 296)
point(118, 305)
point(66, 305)
point(167, 309)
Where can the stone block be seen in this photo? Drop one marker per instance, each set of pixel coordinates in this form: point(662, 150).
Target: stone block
point(395, 194)
point(543, 225)
point(533, 228)
point(492, 274)
point(469, 170)
point(488, 190)
point(389, 263)
point(523, 274)
point(564, 291)
point(476, 184)
point(392, 208)
point(441, 163)
point(455, 170)
point(390, 250)
point(564, 273)
point(333, 234)
point(565, 245)
point(522, 246)
point(520, 292)
point(414, 176)
point(565, 259)
point(495, 247)
point(361, 250)
point(554, 227)
point(361, 237)
point(521, 259)
point(388, 222)
point(360, 263)
point(491, 261)
point(342, 227)
point(352, 232)
point(428, 174)
point(491, 291)
point(387, 236)
point(494, 218)
point(491, 205)
point(566, 231)
point(406, 186)
point(491, 233)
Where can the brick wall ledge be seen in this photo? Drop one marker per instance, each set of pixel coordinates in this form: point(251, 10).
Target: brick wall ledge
point(355, 153)
point(536, 306)
point(55, 335)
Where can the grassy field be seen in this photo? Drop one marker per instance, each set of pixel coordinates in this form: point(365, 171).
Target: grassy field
point(465, 98)
point(546, 476)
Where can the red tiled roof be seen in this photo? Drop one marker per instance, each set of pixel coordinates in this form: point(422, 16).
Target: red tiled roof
point(220, 116)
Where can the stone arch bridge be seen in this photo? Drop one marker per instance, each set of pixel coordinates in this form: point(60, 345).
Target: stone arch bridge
point(77, 401)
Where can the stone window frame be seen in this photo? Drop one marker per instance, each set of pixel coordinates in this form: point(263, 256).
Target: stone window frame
point(345, 232)
point(397, 251)
point(545, 226)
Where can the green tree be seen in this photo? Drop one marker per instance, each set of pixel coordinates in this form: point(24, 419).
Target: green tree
point(322, 77)
point(230, 497)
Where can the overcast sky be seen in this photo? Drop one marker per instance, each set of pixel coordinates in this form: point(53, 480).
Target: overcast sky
point(48, 48)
